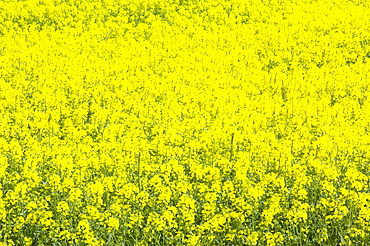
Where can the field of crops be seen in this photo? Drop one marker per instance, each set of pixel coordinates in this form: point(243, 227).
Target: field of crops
point(184, 122)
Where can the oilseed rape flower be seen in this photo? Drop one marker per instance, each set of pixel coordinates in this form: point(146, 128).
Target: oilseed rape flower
point(180, 122)
point(113, 224)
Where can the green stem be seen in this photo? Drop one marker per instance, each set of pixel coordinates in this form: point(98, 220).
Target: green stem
point(231, 148)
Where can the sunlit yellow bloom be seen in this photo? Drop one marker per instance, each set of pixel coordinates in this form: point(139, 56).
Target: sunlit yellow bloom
point(177, 122)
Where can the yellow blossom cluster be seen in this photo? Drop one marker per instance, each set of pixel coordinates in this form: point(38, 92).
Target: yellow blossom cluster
point(184, 122)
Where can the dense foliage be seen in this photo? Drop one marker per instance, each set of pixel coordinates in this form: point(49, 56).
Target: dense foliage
point(179, 122)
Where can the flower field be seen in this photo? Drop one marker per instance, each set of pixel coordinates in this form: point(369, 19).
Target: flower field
point(184, 122)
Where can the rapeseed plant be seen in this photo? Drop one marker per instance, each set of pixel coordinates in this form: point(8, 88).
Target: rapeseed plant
point(182, 122)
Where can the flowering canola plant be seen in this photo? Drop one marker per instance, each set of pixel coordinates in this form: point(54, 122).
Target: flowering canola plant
point(184, 122)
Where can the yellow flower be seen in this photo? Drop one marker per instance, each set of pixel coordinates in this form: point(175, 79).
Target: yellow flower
point(256, 192)
point(253, 238)
point(83, 225)
point(193, 240)
point(75, 194)
point(189, 122)
point(112, 223)
point(32, 206)
point(28, 241)
point(63, 207)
